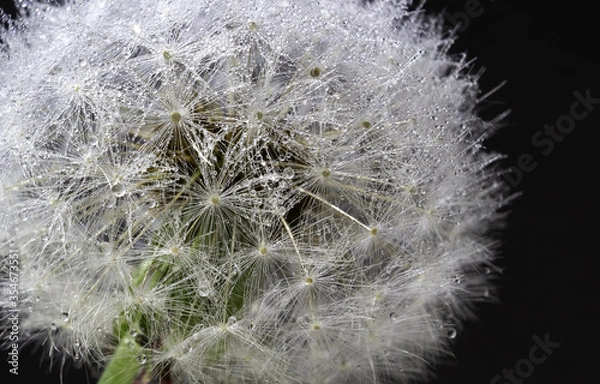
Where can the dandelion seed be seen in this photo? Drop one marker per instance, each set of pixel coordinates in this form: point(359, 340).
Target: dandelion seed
point(315, 72)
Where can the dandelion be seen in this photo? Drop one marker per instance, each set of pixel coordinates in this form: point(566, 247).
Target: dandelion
point(242, 192)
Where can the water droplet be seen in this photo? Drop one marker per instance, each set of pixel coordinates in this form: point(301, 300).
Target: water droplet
point(231, 320)
point(142, 358)
point(64, 316)
point(118, 190)
point(186, 347)
point(93, 140)
point(203, 289)
point(452, 333)
point(197, 335)
point(288, 173)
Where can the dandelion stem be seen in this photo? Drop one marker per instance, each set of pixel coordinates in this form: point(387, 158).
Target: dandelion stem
point(125, 363)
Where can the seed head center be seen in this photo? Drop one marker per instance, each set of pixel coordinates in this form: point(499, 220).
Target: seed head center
point(175, 117)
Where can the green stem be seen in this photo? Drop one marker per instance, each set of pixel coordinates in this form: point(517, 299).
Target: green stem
point(125, 364)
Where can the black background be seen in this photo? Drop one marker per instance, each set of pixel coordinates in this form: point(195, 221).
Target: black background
point(545, 52)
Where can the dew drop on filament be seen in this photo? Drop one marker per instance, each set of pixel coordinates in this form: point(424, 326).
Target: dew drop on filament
point(288, 173)
point(118, 190)
point(451, 333)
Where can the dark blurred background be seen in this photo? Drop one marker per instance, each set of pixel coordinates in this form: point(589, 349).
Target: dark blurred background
point(546, 53)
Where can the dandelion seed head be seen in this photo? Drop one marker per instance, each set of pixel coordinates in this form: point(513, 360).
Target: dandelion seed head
point(290, 192)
